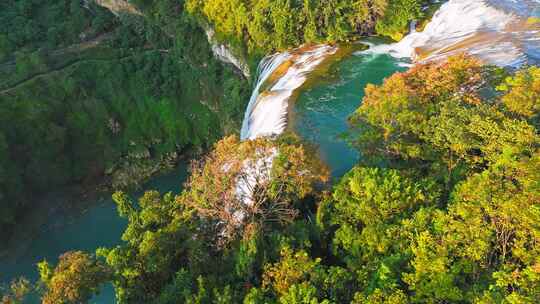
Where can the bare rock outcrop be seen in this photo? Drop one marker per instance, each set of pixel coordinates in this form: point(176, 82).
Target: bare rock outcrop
point(224, 53)
point(118, 7)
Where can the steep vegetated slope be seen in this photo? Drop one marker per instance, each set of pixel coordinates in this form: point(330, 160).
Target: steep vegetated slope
point(84, 94)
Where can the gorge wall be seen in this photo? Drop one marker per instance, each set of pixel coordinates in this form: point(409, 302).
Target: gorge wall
point(224, 53)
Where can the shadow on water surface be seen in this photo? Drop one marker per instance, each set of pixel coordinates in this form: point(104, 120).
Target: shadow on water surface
point(98, 225)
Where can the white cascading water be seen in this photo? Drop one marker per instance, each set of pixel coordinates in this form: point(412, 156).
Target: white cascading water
point(266, 113)
point(496, 31)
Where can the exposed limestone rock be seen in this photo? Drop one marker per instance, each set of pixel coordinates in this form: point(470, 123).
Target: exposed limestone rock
point(221, 51)
point(118, 6)
point(224, 54)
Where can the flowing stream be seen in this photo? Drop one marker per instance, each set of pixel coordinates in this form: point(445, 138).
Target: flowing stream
point(501, 32)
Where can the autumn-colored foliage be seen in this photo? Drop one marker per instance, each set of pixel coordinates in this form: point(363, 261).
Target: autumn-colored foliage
point(394, 118)
point(245, 186)
point(75, 279)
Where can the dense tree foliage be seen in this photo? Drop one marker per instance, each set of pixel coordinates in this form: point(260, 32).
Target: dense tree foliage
point(444, 121)
point(245, 186)
point(523, 94)
point(211, 235)
point(266, 25)
point(26, 25)
point(442, 208)
point(123, 105)
point(74, 280)
point(434, 118)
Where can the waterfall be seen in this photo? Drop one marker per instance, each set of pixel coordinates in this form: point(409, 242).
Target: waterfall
point(496, 31)
point(280, 75)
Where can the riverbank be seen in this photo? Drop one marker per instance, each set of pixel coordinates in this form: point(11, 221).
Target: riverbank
point(76, 199)
point(89, 222)
point(132, 174)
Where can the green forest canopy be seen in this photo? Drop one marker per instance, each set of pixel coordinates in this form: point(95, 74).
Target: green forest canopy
point(103, 96)
point(267, 25)
point(443, 208)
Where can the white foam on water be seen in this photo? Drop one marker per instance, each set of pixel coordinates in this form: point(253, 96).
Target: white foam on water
point(492, 30)
point(266, 114)
point(495, 31)
point(267, 111)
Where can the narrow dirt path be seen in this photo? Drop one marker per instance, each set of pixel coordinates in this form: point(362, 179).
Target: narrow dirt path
point(69, 64)
point(84, 45)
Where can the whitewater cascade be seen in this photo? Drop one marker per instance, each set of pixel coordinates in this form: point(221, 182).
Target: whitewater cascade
point(280, 75)
point(501, 32)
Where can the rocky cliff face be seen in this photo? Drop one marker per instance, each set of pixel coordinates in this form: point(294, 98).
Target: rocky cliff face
point(221, 51)
point(118, 6)
point(224, 54)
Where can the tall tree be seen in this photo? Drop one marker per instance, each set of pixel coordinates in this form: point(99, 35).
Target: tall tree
point(241, 187)
point(76, 278)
